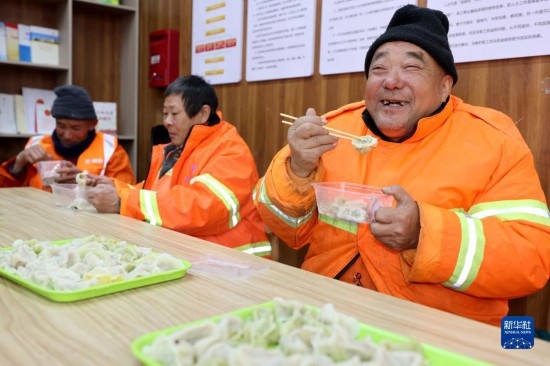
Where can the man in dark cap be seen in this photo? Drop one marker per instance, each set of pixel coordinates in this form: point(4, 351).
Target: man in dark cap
point(74, 141)
point(470, 225)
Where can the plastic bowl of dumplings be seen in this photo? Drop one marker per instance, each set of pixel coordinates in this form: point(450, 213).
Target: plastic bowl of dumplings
point(49, 170)
point(350, 202)
point(71, 195)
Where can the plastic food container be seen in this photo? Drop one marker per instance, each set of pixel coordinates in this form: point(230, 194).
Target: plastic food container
point(48, 170)
point(350, 201)
point(71, 195)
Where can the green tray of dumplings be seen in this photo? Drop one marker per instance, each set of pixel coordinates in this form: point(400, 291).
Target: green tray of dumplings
point(97, 290)
point(434, 355)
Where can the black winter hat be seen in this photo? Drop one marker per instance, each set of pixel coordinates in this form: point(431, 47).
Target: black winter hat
point(424, 27)
point(73, 102)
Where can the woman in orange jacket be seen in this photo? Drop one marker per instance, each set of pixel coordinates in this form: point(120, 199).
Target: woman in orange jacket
point(201, 182)
point(470, 228)
point(74, 140)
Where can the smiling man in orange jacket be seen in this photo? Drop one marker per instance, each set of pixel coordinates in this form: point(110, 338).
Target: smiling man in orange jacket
point(471, 227)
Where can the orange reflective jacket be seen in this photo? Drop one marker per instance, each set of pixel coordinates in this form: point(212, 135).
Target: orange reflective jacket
point(104, 156)
point(207, 194)
point(485, 226)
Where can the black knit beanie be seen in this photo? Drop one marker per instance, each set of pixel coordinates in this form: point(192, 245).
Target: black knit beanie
point(424, 27)
point(73, 102)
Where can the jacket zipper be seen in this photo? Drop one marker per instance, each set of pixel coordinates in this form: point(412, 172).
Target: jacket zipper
point(341, 273)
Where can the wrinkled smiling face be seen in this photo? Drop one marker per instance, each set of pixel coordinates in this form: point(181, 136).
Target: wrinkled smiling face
point(404, 84)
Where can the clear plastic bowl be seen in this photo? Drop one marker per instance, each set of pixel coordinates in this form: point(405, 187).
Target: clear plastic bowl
point(350, 201)
point(48, 170)
point(70, 195)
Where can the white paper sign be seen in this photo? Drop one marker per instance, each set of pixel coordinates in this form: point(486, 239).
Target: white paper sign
point(348, 28)
point(494, 29)
point(280, 40)
point(45, 123)
point(217, 44)
point(106, 117)
point(32, 97)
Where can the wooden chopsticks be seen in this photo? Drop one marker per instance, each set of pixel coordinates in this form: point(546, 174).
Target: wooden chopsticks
point(333, 131)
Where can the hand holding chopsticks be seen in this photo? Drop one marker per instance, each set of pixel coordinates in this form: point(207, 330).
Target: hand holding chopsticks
point(332, 131)
point(363, 144)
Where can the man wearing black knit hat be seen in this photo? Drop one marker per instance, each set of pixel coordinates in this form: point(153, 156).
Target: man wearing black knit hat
point(468, 199)
point(74, 141)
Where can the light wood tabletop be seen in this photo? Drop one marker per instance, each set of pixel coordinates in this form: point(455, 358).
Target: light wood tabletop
point(99, 331)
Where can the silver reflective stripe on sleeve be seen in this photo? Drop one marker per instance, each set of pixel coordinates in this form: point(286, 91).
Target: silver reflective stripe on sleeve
point(472, 245)
point(224, 194)
point(289, 220)
point(527, 210)
point(350, 227)
point(471, 252)
point(149, 207)
point(260, 249)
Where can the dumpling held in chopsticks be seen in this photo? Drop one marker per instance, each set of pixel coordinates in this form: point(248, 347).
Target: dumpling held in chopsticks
point(364, 144)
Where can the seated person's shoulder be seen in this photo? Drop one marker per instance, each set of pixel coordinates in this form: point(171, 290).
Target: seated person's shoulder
point(348, 108)
point(493, 118)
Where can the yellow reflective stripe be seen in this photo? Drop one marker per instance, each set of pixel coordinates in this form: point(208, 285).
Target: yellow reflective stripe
point(224, 194)
point(350, 227)
point(149, 207)
point(470, 256)
point(289, 220)
point(527, 210)
point(260, 249)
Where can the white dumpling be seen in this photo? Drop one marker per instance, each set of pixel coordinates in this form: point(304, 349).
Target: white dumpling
point(165, 262)
point(162, 350)
point(69, 258)
point(194, 334)
point(218, 354)
point(63, 279)
point(41, 278)
point(231, 328)
point(300, 340)
point(22, 256)
point(255, 356)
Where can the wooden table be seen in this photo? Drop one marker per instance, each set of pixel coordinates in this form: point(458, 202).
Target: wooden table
point(99, 331)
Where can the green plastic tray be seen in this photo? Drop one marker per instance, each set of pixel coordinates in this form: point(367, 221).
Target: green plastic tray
point(435, 355)
point(99, 290)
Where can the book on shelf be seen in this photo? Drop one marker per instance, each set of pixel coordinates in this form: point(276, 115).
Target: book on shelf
point(20, 119)
point(12, 41)
point(7, 114)
point(106, 117)
point(3, 46)
point(33, 100)
point(24, 42)
point(44, 45)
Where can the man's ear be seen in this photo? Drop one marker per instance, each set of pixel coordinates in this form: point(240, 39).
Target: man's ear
point(92, 125)
point(446, 85)
point(204, 114)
